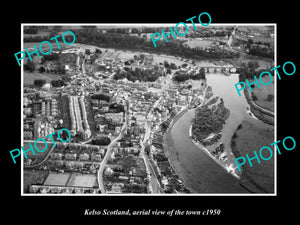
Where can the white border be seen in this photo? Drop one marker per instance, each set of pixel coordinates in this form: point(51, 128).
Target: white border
point(154, 24)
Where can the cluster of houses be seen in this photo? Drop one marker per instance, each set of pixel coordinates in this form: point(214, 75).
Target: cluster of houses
point(41, 114)
point(46, 189)
point(75, 157)
point(169, 181)
point(44, 111)
point(126, 171)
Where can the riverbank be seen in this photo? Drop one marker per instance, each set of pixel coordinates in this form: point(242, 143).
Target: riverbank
point(229, 169)
point(199, 172)
point(262, 114)
point(169, 149)
point(157, 58)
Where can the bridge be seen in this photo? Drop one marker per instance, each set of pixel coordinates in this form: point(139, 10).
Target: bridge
point(230, 39)
point(223, 69)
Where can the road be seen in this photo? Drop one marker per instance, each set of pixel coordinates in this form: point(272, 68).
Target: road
point(154, 182)
point(109, 150)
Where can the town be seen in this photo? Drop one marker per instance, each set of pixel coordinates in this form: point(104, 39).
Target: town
point(118, 106)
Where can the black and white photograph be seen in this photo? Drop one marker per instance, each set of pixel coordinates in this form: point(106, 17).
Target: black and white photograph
point(180, 113)
point(145, 120)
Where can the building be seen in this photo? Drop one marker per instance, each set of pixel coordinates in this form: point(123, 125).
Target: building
point(69, 156)
point(116, 118)
point(84, 157)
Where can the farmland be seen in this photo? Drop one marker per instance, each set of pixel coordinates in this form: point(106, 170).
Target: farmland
point(29, 77)
point(196, 42)
point(250, 137)
point(262, 94)
point(45, 47)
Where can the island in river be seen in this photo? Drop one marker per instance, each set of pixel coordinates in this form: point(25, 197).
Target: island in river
point(196, 165)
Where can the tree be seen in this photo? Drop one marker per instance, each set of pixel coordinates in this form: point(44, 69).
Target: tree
point(29, 66)
point(254, 98)
point(253, 65)
point(39, 82)
point(87, 52)
point(51, 57)
point(61, 69)
point(173, 66)
point(166, 64)
point(184, 65)
point(57, 83)
point(42, 69)
point(98, 50)
point(30, 31)
point(202, 73)
point(250, 41)
point(101, 141)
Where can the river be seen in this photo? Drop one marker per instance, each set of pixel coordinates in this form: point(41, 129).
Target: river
point(199, 171)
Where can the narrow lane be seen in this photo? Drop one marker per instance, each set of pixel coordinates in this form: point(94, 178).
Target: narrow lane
point(109, 150)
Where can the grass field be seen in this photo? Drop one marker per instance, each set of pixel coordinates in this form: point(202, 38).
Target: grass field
point(263, 92)
point(28, 77)
point(59, 179)
point(45, 47)
point(260, 177)
point(40, 145)
point(198, 43)
point(82, 180)
point(32, 177)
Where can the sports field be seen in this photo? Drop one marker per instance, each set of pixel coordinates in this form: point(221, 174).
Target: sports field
point(57, 179)
point(82, 180)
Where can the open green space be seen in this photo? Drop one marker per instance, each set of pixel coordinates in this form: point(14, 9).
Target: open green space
point(198, 43)
point(29, 77)
point(248, 138)
point(265, 94)
point(59, 179)
point(33, 177)
point(40, 145)
point(45, 47)
point(82, 180)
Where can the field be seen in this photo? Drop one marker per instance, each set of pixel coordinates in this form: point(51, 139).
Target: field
point(262, 94)
point(59, 179)
point(29, 77)
point(33, 177)
point(82, 180)
point(45, 47)
point(257, 39)
point(250, 137)
point(40, 145)
point(198, 43)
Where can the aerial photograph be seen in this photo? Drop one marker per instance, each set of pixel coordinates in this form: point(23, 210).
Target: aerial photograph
point(146, 120)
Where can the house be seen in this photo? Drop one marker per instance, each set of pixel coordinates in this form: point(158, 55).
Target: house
point(116, 118)
point(84, 157)
point(56, 156)
point(69, 156)
point(69, 165)
point(78, 165)
point(117, 129)
point(140, 118)
point(108, 171)
point(116, 188)
point(96, 157)
point(123, 177)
